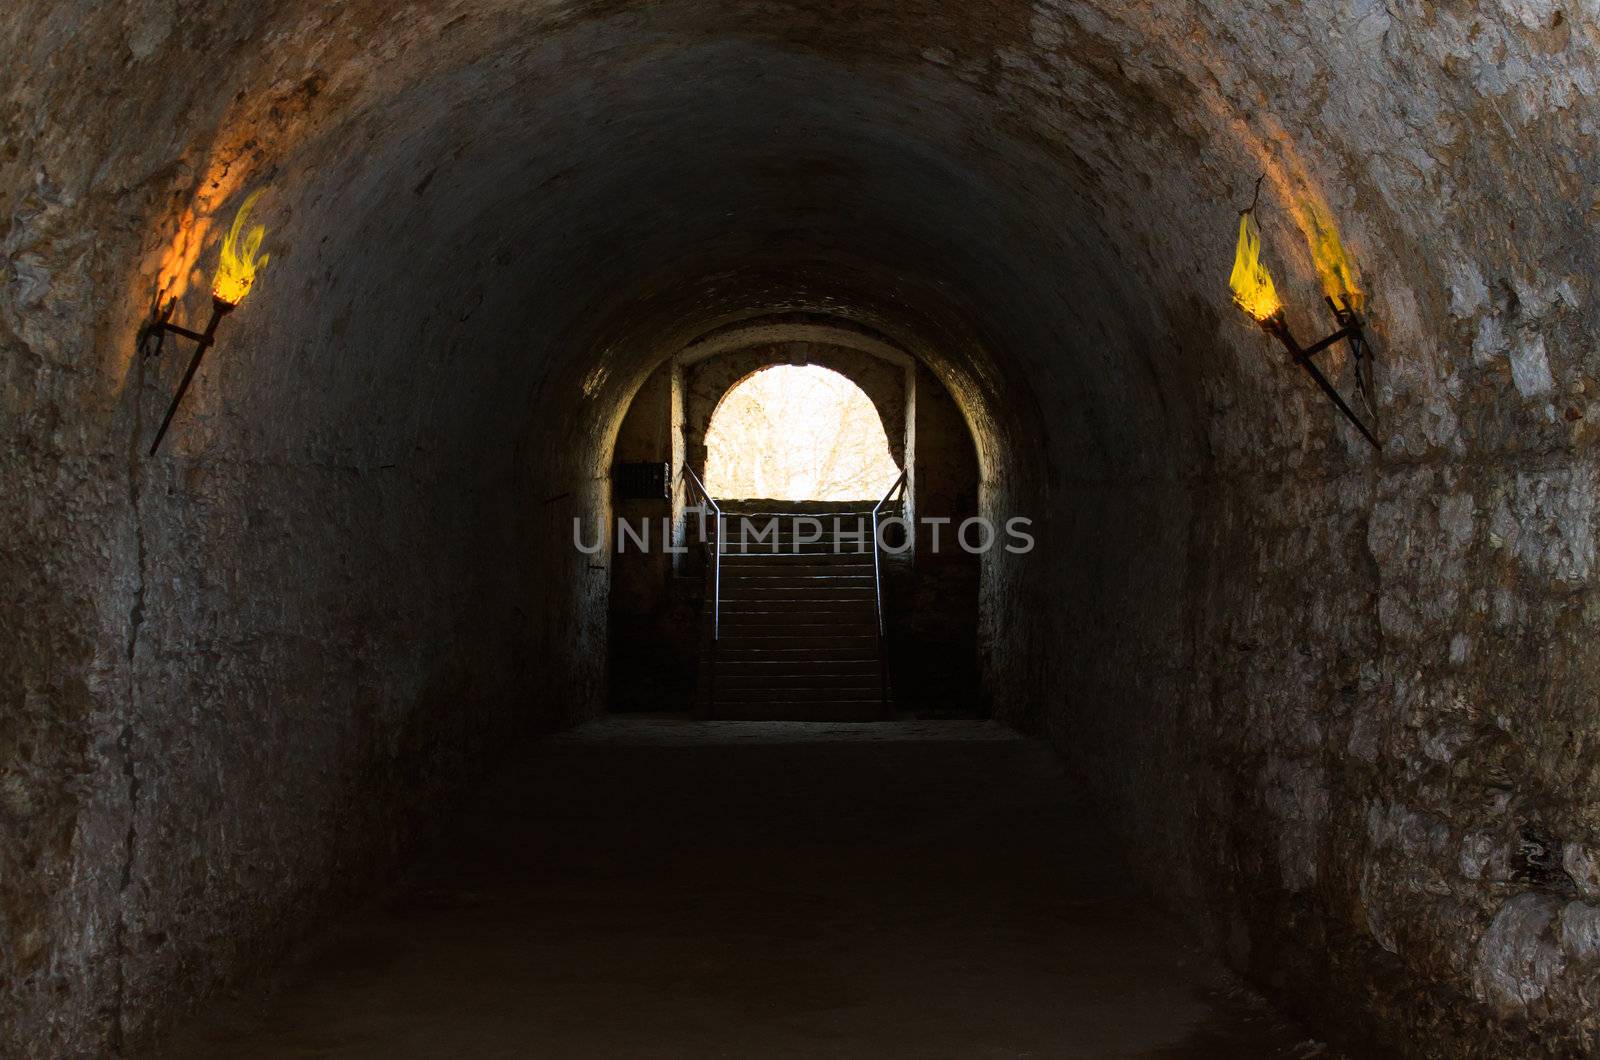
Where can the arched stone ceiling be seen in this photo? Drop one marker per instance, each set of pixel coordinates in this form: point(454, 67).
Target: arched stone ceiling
point(1053, 183)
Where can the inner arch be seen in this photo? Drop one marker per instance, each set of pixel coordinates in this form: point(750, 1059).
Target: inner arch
point(795, 433)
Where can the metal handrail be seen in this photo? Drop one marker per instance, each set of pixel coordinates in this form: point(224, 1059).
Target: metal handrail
point(877, 576)
point(716, 554)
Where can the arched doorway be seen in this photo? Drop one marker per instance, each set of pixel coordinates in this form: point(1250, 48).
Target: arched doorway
point(798, 433)
point(816, 423)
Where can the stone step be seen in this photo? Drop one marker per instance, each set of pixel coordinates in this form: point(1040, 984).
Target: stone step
point(848, 685)
point(797, 611)
point(732, 528)
point(739, 613)
point(857, 622)
point(798, 662)
point(857, 557)
point(861, 622)
point(754, 591)
point(803, 564)
point(805, 578)
point(785, 548)
point(783, 626)
point(800, 649)
point(850, 511)
point(788, 546)
point(847, 536)
point(799, 667)
point(796, 658)
point(741, 592)
point(797, 693)
point(806, 710)
point(799, 636)
point(792, 660)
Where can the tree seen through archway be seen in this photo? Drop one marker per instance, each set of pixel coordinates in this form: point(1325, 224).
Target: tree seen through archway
point(798, 433)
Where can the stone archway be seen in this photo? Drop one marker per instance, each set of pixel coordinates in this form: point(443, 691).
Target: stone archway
point(888, 384)
point(798, 433)
point(933, 595)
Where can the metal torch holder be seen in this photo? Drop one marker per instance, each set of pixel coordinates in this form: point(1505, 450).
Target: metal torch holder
point(1350, 330)
point(159, 328)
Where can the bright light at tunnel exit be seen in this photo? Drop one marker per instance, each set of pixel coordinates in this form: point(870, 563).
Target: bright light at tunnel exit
point(798, 433)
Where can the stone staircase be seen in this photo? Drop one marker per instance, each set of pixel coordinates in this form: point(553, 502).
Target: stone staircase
point(799, 622)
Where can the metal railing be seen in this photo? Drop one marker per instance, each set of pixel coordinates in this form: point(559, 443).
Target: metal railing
point(890, 500)
point(877, 575)
point(716, 549)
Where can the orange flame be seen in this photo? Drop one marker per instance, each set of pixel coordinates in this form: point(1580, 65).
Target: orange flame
point(237, 268)
point(1252, 285)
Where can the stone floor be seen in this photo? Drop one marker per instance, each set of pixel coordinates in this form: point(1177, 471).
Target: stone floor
point(668, 888)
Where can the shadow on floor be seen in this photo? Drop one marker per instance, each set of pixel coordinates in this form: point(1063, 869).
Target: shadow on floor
point(679, 889)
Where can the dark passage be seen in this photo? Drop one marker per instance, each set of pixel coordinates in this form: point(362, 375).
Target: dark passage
point(664, 888)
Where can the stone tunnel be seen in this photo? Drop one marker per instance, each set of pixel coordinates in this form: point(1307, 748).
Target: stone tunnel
point(1333, 706)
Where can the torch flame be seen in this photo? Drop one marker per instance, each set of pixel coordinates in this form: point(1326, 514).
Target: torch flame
point(1253, 290)
point(1338, 272)
point(236, 271)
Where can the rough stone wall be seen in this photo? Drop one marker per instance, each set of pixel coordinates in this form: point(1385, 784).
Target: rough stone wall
point(240, 677)
point(933, 607)
point(654, 606)
point(646, 435)
point(1342, 704)
point(1392, 677)
point(261, 678)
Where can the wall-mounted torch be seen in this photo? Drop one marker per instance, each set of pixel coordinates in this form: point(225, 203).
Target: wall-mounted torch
point(1255, 293)
point(236, 273)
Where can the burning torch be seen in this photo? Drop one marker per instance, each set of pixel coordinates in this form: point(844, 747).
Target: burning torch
point(1255, 293)
point(236, 273)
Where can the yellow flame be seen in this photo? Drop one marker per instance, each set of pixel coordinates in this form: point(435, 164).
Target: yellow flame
point(1334, 266)
point(1251, 282)
point(236, 271)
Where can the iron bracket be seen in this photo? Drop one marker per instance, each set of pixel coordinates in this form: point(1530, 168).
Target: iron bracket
point(159, 326)
point(1351, 331)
